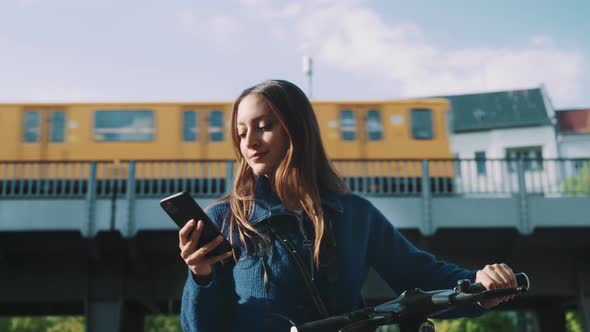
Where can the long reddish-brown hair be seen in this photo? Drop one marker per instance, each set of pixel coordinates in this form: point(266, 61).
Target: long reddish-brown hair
point(302, 174)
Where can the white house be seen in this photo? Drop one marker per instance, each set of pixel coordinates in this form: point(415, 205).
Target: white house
point(574, 137)
point(494, 134)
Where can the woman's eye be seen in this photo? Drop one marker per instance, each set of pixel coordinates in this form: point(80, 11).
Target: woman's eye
point(265, 127)
point(242, 134)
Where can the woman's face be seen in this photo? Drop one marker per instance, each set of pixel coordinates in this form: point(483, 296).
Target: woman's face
point(263, 141)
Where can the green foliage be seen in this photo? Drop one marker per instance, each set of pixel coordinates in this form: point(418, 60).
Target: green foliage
point(578, 185)
point(42, 324)
point(490, 322)
point(4, 323)
point(573, 322)
point(28, 324)
point(162, 323)
point(66, 324)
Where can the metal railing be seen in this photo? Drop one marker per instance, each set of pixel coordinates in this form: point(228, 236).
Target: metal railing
point(457, 177)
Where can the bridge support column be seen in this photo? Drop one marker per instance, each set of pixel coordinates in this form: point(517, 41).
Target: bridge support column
point(551, 318)
point(114, 316)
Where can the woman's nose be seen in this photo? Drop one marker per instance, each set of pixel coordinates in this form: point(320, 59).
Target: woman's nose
point(251, 139)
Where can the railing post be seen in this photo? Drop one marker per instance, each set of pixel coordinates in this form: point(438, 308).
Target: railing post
point(90, 230)
point(523, 203)
point(229, 176)
point(427, 227)
point(364, 177)
point(130, 200)
point(562, 175)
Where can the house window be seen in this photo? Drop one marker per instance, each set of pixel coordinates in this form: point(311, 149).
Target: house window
point(124, 125)
point(216, 126)
point(31, 127)
point(374, 125)
point(480, 162)
point(347, 125)
point(190, 126)
point(57, 131)
point(421, 120)
point(531, 157)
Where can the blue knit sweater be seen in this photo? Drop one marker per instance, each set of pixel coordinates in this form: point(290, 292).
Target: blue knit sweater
point(237, 298)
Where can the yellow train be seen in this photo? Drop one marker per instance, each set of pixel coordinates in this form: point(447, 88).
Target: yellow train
point(115, 132)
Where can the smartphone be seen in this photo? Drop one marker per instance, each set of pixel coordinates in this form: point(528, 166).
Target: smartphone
point(181, 207)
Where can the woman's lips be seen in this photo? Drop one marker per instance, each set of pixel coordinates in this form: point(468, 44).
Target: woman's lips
point(256, 156)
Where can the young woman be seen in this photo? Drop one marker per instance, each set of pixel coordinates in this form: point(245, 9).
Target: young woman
point(303, 243)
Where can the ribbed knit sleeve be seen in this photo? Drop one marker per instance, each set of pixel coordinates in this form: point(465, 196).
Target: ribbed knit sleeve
point(208, 308)
point(403, 266)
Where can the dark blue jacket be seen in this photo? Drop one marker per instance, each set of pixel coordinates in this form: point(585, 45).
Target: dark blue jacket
point(238, 300)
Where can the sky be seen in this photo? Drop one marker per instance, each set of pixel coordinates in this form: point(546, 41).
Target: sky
point(197, 50)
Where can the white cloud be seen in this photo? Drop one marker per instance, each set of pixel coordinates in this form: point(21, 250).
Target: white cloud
point(352, 38)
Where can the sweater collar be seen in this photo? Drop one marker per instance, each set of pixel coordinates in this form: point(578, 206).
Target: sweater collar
point(268, 204)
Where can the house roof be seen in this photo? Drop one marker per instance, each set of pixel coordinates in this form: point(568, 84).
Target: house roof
point(575, 121)
point(496, 110)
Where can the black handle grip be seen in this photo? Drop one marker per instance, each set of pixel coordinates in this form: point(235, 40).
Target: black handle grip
point(522, 280)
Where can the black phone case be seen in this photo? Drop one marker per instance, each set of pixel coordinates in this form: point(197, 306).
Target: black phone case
point(181, 207)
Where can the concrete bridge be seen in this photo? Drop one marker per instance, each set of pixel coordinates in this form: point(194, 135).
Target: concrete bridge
point(89, 238)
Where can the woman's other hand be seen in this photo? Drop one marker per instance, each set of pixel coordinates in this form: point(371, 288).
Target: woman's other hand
point(496, 276)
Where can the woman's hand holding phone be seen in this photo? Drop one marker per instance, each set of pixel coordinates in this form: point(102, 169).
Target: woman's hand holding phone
point(196, 257)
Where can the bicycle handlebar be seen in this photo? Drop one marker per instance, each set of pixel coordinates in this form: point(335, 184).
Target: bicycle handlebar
point(413, 304)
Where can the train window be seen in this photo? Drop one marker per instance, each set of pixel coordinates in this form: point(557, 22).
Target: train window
point(216, 126)
point(347, 125)
point(421, 120)
point(190, 125)
point(31, 127)
point(374, 126)
point(124, 125)
point(57, 131)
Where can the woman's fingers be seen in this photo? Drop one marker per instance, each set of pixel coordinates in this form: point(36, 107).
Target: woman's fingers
point(219, 258)
point(496, 276)
point(487, 278)
point(184, 233)
point(190, 245)
point(508, 275)
point(196, 258)
point(199, 256)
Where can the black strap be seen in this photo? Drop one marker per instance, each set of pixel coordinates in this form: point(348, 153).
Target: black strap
point(305, 273)
point(261, 250)
point(328, 253)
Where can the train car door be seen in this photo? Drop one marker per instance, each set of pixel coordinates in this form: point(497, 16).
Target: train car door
point(40, 126)
point(350, 141)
